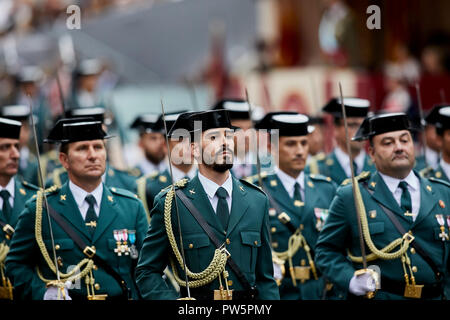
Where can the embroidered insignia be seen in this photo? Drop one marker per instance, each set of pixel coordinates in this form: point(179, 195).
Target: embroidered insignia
point(441, 204)
point(373, 214)
point(310, 184)
point(110, 198)
point(192, 191)
point(273, 183)
point(63, 197)
point(373, 184)
point(22, 191)
point(298, 203)
point(163, 179)
point(241, 187)
point(429, 188)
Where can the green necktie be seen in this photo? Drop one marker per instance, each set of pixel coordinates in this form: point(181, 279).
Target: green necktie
point(222, 211)
point(297, 194)
point(91, 216)
point(405, 200)
point(6, 206)
point(355, 169)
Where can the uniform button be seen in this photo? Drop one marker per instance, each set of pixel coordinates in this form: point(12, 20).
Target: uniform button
point(274, 245)
point(96, 286)
point(230, 282)
point(191, 245)
point(273, 229)
point(301, 226)
point(414, 269)
point(413, 251)
point(228, 241)
point(57, 247)
point(256, 243)
point(95, 267)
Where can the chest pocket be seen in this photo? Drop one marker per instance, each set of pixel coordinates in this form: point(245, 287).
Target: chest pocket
point(251, 241)
point(196, 247)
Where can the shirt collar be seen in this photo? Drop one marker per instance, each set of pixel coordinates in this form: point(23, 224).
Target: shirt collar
point(344, 159)
point(80, 194)
point(289, 182)
point(392, 183)
point(211, 187)
point(178, 174)
point(446, 167)
point(10, 187)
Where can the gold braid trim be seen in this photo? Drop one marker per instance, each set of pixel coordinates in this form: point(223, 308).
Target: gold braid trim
point(75, 273)
point(217, 264)
point(141, 191)
point(385, 253)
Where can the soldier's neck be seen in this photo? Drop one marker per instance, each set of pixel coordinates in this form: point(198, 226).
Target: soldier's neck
point(183, 167)
point(354, 152)
point(213, 175)
point(4, 180)
point(87, 185)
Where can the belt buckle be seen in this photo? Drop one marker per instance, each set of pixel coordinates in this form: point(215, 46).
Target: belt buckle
point(222, 248)
point(408, 237)
point(413, 291)
point(302, 273)
point(9, 231)
point(89, 251)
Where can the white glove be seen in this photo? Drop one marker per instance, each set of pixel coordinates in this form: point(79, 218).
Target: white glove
point(277, 273)
point(52, 292)
point(363, 283)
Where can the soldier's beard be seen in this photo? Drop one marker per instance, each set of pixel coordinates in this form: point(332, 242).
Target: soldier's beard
point(222, 167)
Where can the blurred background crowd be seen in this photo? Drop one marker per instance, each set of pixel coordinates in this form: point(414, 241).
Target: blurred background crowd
point(129, 55)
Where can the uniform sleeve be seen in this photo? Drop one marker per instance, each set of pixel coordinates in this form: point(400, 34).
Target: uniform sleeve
point(334, 239)
point(265, 283)
point(22, 257)
point(153, 259)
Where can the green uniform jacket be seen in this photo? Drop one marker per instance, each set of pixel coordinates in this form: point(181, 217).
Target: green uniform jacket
point(439, 173)
point(247, 240)
point(119, 209)
point(114, 178)
point(150, 185)
point(22, 192)
point(319, 192)
point(49, 162)
point(340, 232)
point(330, 167)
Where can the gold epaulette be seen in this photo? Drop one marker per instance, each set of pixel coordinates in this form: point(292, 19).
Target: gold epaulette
point(364, 175)
point(320, 156)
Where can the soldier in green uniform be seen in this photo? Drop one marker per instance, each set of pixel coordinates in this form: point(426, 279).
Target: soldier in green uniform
point(430, 159)
point(21, 113)
point(316, 144)
point(13, 193)
point(299, 207)
point(152, 143)
point(442, 170)
point(151, 184)
point(97, 230)
point(404, 219)
point(225, 227)
point(113, 177)
point(336, 165)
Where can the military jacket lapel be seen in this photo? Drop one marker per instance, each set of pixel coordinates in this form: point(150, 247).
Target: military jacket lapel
point(108, 213)
point(239, 205)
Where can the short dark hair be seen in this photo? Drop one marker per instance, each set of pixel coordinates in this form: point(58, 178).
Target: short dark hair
point(64, 148)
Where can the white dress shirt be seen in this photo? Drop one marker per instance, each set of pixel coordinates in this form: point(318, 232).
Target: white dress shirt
point(344, 161)
point(178, 174)
point(289, 182)
point(80, 198)
point(211, 189)
point(10, 188)
point(446, 167)
point(432, 157)
point(413, 188)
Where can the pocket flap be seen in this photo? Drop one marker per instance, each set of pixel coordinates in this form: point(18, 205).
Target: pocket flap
point(251, 238)
point(195, 241)
point(61, 244)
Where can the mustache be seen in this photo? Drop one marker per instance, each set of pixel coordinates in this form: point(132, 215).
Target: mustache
point(223, 150)
point(400, 154)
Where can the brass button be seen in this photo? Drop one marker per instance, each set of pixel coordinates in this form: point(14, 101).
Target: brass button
point(95, 267)
point(274, 245)
point(256, 243)
point(57, 247)
point(191, 245)
point(301, 226)
point(228, 241)
point(414, 269)
point(96, 286)
point(273, 229)
point(230, 282)
point(413, 251)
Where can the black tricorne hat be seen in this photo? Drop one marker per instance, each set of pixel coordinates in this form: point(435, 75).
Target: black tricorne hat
point(209, 120)
point(354, 107)
point(170, 118)
point(76, 129)
point(182, 122)
point(98, 113)
point(238, 109)
point(146, 123)
point(287, 123)
point(382, 123)
point(10, 128)
point(433, 115)
point(443, 122)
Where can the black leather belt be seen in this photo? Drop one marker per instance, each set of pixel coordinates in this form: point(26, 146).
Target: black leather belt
point(429, 291)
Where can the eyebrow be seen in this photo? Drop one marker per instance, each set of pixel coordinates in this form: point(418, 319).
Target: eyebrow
point(393, 138)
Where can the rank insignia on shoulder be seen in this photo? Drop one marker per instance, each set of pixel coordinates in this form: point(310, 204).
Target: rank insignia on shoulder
point(163, 179)
point(22, 191)
point(438, 174)
point(273, 183)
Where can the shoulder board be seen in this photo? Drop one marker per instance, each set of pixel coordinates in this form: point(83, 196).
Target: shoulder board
point(29, 185)
point(254, 178)
point(149, 176)
point(135, 172)
point(319, 177)
point(178, 185)
point(361, 177)
point(445, 183)
point(123, 192)
point(251, 185)
point(425, 171)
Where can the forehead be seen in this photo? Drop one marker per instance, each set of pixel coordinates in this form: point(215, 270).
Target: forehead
point(293, 138)
point(392, 135)
point(217, 131)
point(8, 141)
point(85, 142)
